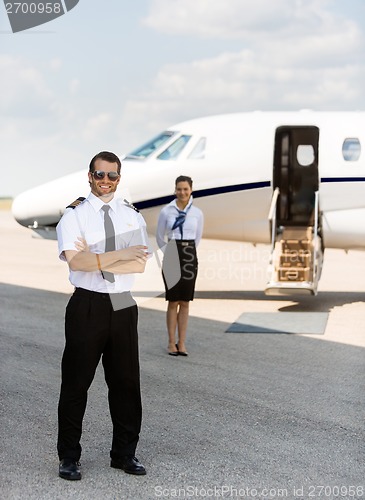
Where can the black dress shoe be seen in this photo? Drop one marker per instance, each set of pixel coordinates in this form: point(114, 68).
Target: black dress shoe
point(69, 469)
point(129, 464)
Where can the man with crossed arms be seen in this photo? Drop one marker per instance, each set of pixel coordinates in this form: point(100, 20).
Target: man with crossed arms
point(101, 316)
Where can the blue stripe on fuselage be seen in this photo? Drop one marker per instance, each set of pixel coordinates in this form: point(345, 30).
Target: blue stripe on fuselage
point(202, 193)
point(343, 179)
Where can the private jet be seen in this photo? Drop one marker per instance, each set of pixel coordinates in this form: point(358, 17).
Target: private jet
point(293, 180)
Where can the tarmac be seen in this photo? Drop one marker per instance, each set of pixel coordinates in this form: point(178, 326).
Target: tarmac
point(245, 415)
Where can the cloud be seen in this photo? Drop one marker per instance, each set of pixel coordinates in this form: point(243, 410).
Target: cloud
point(55, 63)
point(290, 54)
point(74, 85)
point(47, 128)
point(287, 55)
point(23, 88)
point(206, 19)
point(238, 19)
point(244, 81)
point(96, 125)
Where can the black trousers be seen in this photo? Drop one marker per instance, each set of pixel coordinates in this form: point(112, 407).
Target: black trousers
point(93, 331)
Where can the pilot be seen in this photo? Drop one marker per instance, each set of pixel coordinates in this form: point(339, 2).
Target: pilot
point(101, 240)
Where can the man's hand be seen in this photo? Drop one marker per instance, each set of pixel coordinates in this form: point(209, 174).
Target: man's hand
point(115, 261)
point(81, 245)
point(137, 253)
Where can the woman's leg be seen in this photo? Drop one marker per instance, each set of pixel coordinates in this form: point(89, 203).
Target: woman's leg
point(171, 322)
point(182, 324)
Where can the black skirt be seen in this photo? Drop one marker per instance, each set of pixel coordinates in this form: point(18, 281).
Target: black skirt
point(179, 270)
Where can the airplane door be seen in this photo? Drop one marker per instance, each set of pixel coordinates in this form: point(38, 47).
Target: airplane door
point(296, 173)
point(297, 249)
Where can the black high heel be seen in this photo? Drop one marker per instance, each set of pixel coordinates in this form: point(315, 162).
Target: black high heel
point(174, 353)
point(181, 353)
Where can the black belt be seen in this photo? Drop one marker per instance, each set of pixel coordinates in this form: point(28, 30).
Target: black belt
point(185, 243)
point(91, 293)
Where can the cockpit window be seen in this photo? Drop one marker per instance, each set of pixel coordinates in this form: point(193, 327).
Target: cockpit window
point(151, 146)
point(198, 153)
point(351, 149)
point(173, 151)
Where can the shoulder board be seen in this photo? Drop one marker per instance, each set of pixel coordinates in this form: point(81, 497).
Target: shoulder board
point(128, 204)
point(77, 202)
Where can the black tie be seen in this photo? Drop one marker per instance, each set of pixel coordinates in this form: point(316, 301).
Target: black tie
point(109, 240)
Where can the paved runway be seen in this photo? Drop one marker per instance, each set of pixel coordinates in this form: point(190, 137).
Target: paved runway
point(244, 416)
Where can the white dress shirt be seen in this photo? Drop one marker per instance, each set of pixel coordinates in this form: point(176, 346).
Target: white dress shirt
point(192, 229)
point(87, 221)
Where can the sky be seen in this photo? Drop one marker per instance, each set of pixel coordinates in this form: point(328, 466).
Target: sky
point(110, 74)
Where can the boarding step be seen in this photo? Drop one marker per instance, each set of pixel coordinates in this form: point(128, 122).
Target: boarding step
point(292, 264)
point(295, 259)
point(295, 274)
point(297, 233)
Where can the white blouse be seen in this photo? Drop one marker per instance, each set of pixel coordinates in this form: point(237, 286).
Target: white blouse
point(192, 229)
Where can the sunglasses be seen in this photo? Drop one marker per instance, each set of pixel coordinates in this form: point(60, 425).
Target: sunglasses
point(100, 174)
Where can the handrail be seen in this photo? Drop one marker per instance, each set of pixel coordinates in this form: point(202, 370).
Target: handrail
point(272, 218)
point(273, 203)
point(316, 209)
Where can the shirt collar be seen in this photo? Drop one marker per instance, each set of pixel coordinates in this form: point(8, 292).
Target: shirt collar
point(97, 202)
point(190, 202)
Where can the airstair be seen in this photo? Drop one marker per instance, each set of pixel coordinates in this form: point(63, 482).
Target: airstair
point(296, 256)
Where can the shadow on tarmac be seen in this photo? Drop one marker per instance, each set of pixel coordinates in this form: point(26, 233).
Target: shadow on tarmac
point(241, 412)
point(322, 302)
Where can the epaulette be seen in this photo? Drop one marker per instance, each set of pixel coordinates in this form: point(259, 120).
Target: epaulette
point(130, 205)
point(77, 202)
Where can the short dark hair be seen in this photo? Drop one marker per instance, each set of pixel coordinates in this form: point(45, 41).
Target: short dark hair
point(184, 178)
point(106, 156)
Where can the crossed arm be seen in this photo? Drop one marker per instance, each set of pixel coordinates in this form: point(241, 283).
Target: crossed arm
point(127, 260)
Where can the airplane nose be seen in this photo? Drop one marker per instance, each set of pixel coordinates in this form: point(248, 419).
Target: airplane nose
point(18, 210)
point(25, 208)
point(45, 204)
